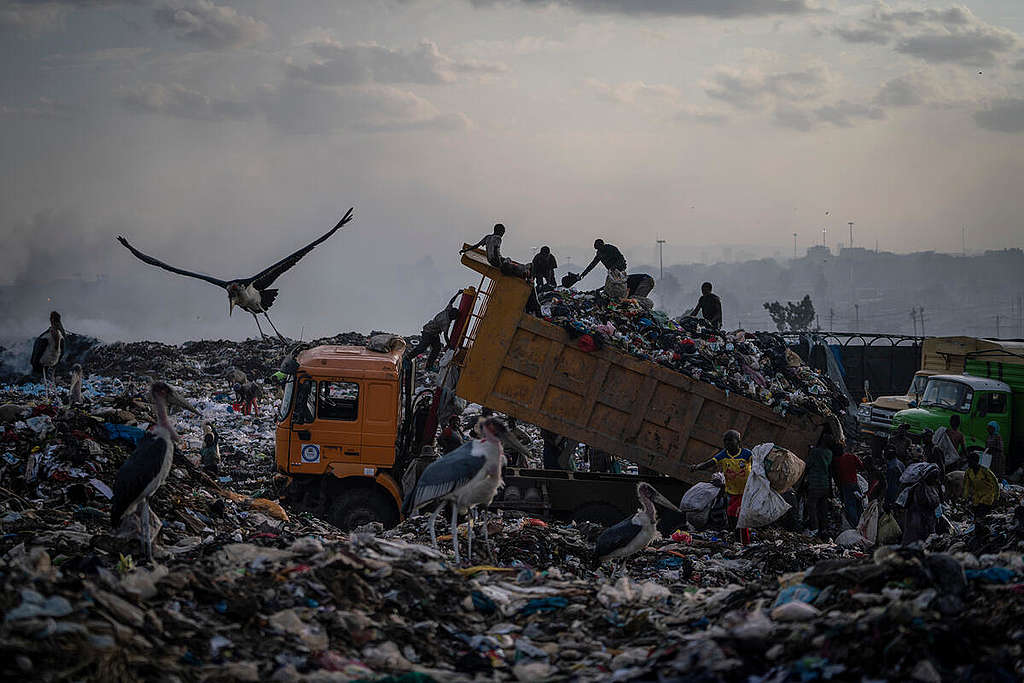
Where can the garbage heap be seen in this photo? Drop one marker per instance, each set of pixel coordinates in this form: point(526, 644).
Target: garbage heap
point(757, 365)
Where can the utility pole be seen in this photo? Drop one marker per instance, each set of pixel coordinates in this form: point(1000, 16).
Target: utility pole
point(823, 237)
point(913, 316)
point(963, 241)
point(850, 223)
point(856, 322)
point(997, 326)
point(920, 314)
point(661, 258)
point(794, 246)
point(831, 318)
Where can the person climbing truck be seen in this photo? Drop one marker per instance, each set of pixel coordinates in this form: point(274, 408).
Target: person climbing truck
point(430, 336)
point(710, 306)
point(735, 463)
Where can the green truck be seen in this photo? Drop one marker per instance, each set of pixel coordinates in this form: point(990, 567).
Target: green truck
point(991, 389)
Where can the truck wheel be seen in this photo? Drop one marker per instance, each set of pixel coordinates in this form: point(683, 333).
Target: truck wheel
point(604, 514)
point(354, 507)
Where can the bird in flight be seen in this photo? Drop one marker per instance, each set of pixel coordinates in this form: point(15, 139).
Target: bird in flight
point(251, 294)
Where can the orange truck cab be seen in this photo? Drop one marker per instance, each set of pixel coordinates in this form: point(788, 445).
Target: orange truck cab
point(341, 415)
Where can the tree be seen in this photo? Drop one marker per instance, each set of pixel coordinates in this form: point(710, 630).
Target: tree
point(795, 317)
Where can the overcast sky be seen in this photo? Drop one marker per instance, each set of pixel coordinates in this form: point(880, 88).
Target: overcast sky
point(221, 134)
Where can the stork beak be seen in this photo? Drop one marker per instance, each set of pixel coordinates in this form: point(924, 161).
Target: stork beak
point(177, 399)
point(664, 502)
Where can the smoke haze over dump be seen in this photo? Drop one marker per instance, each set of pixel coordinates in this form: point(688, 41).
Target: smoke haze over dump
point(220, 135)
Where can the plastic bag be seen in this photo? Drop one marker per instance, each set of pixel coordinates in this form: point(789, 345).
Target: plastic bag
point(868, 525)
point(783, 469)
point(761, 505)
point(941, 440)
point(851, 538)
point(615, 287)
point(699, 497)
point(889, 531)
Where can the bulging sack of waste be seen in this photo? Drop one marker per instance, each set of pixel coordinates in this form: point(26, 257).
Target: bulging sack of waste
point(889, 531)
point(761, 505)
point(851, 538)
point(615, 285)
point(699, 497)
point(384, 343)
point(868, 525)
point(783, 469)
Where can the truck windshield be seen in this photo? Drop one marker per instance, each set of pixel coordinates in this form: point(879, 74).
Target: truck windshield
point(918, 385)
point(286, 401)
point(948, 394)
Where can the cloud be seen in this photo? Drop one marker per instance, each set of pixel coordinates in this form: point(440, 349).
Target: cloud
point(792, 117)
point(683, 8)
point(953, 34)
point(753, 88)
point(371, 63)
point(844, 112)
point(1019, 65)
point(43, 108)
point(180, 102)
point(904, 91)
point(1003, 116)
point(653, 98)
point(215, 27)
point(31, 17)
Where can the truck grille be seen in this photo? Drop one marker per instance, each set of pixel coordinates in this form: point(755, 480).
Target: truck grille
point(882, 416)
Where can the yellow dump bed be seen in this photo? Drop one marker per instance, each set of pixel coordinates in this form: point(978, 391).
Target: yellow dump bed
point(639, 411)
point(946, 355)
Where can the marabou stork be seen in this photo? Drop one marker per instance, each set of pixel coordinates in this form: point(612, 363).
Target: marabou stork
point(146, 469)
point(251, 294)
point(466, 477)
point(632, 534)
point(48, 350)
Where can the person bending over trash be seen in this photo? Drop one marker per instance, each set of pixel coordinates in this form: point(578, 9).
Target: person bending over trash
point(735, 463)
point(981, 488)
point(710, 306)
point(920, 499)
point(430, 336)
point(544, 265)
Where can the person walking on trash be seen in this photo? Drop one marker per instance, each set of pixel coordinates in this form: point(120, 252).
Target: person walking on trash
point(846, 467)
point(430, 336)
point(818, 486)
point(735, 463)
point(920, 499)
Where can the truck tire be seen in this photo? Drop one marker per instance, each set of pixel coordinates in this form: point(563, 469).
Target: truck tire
point(604, 514)
point(352, 507)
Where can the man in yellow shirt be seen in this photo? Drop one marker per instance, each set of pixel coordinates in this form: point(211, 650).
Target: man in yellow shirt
point(735, 463)
point(981, 488)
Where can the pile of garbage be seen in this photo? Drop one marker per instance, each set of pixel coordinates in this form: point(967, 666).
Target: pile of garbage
point(757, 365)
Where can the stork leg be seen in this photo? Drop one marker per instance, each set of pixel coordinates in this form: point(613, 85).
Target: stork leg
point(433, 525)
point(469, 534)
point(455, 530)
point(279, 335)
point(487, 540)
point(262, 336)
point(147, 544)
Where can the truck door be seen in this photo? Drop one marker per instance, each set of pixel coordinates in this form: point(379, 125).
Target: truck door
point(303, 448)
point(339, 420)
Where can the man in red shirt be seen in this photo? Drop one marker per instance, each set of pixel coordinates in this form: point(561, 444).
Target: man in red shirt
point(846, 467)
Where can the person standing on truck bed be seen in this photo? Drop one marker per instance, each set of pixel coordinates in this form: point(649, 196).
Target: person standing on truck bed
point(710, 306)
point(544, 265)
point(430, 336)
point(607, 255)
point(735, 463)
point(491, 244)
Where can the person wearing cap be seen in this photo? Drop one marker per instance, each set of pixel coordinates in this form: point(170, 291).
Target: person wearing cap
point(710, 306)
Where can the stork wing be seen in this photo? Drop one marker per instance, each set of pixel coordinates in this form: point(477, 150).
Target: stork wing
point(160, 264)
point(135, 474)
point(266, 278)
point(616, 537)
point(444, 476)
point(38, 349)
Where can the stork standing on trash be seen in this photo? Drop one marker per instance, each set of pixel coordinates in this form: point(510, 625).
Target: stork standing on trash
point(147, 468)
point(251, 294)
point(48, 349)
point(466, 477)
point(632, 535)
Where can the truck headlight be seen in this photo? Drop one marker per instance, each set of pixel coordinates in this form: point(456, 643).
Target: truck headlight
point(864, 411)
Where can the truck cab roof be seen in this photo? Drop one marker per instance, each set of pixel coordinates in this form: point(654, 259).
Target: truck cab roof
point(356, 362)
point(975, 383)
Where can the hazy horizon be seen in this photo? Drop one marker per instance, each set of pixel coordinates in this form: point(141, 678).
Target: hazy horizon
point(220, 135)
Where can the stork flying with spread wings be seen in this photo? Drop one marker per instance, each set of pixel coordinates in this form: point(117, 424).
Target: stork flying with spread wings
point(251, 294)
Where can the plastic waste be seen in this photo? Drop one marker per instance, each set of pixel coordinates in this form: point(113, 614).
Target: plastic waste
point(761, 505)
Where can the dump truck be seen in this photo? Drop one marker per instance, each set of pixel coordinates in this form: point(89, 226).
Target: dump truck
point(990, 389)
point(353, 435)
